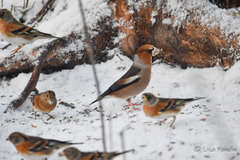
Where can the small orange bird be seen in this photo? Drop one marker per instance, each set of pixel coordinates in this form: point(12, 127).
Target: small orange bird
point(36, 148)
point(44, 102)
point(163, 108)
point(16, 33)
point(136, 79)
point(75, 154)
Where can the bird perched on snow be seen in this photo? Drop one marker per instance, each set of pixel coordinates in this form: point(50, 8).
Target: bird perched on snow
point(136, 79)
point(163, 108)
point(75, 154)
point(44, 102)
point(16, 33)
point(36, 148)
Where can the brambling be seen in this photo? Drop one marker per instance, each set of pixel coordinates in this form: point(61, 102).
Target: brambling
point(163, 108)
point(36, 148)
point(17, 33)
point(75, 154)
point(136, 79)
point(44, 102)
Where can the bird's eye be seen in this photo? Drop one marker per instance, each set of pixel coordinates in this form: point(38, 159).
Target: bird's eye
point(47, 95)
point(2, 14)
point(149, 51)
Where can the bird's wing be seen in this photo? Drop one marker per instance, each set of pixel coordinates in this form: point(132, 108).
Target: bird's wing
point(17, 28)
point(174, 104)
point(45, 144)
point(126, 80)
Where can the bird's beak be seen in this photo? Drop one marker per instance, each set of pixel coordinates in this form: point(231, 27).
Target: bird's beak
point(7, 139)
point(144, 98)
point(61, 154)
point(156, 51)
point(51, 101)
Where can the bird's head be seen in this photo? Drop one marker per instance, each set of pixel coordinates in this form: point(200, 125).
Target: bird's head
point(17, 138)
point(144, 54)
point(149, 98)
point(71, 153)
point(6, 15)
point(48, 96)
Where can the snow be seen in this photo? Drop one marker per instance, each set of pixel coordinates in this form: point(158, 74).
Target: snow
point(205, 129)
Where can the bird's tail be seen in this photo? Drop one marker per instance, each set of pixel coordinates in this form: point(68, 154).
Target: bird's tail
point(60, 144)
point(41, 35)
point(117, 154)
point(98, 99)
point(193, 99)
point(183, 102)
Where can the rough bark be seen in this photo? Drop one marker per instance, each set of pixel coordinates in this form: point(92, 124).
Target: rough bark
point(226, 3)
point(189, 44)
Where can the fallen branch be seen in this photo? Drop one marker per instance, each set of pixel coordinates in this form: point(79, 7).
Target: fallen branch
point(46, 52)
point(31, 85)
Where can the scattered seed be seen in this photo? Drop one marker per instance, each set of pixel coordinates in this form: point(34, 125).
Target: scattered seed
point(207, 156)
point(143, 145)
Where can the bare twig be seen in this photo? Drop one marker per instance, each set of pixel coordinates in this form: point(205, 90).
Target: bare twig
point(42, 12)
point(31, 83)
point(47, 51)
point(110, 133)
point(90, 53)
point(123, 140)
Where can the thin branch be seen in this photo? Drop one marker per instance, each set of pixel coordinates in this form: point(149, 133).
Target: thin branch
point(31, 86)
point(46, 52)
point(90, 53)
point(110, 133)
point(123, 140)
point(43, 11)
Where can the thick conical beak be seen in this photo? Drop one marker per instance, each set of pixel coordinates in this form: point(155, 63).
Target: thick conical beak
point(61, 154)
point(156, 51)
point(51, 101)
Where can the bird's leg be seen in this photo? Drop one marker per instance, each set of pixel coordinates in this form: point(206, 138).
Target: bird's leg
point(6, 46)
point(35, 90)
point(35, 114)
point(50, 116)
point(17, 49)
point(174, 118)
point(132, 104)
point(160, 123)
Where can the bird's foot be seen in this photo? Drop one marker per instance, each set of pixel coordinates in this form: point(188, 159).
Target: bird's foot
point(133, 104)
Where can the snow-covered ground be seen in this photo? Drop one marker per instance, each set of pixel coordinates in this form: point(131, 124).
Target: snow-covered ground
point(205, 129)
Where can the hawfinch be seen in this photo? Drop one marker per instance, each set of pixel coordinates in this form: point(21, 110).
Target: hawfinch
point(136, 79)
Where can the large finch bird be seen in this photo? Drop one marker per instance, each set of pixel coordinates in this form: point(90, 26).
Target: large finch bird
point(136, 79)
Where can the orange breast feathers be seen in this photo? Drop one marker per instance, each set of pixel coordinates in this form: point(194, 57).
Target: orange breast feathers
point(43, 106)
point(26, 146)
point(3, 26)
point(89, 157)
point(145, 57)
point(152, 111)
